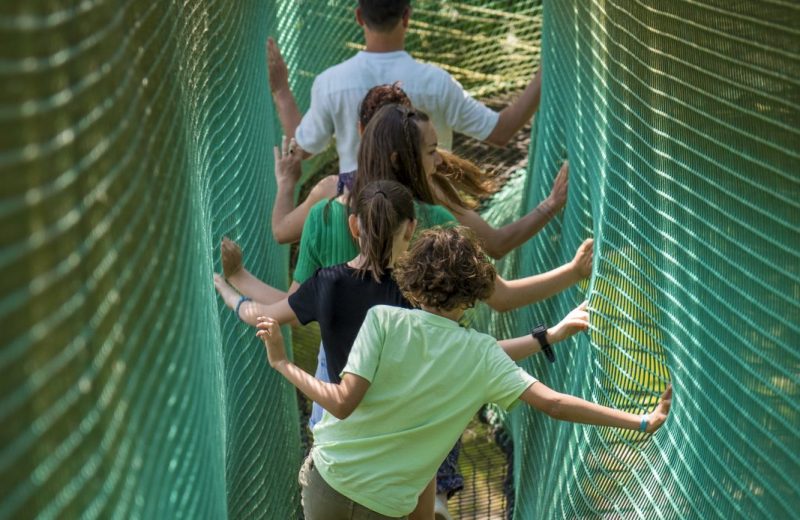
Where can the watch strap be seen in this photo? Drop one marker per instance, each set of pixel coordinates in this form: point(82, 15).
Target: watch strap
point(540, 333)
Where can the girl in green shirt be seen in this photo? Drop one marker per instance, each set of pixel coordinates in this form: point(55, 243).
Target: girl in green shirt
point(398, 144)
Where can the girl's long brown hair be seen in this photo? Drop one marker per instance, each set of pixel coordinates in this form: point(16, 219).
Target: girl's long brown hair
point(456, 175)
point(381, 208)
point(391, 149)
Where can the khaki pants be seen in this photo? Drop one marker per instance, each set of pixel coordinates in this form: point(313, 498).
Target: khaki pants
point(322, 502)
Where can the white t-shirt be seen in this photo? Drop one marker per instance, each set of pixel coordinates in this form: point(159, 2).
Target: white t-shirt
point(338, 91)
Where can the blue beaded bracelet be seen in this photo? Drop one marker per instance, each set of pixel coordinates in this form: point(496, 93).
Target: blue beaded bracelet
point(643, 426)
point(239, 304)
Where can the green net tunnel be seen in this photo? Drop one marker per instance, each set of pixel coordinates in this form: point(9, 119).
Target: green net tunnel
point(135, 134)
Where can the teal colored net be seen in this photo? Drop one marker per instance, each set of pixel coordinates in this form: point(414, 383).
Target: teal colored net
point(136, 134)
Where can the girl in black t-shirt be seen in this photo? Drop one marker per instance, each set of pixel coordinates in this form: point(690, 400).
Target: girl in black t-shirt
point(338, 297)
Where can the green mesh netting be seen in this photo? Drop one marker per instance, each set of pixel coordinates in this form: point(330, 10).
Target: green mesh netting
point(682, 123)
point(135, 134)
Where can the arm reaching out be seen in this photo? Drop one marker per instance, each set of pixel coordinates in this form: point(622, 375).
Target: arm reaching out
point(288, 220)
point(574, 409)
point(524, 346)
point(287, 223)
point(285, 104)
point(515, 115)
point(512, 294)
point(499, 241)
point(339, 399)
point(243, 280)
point(248, 310)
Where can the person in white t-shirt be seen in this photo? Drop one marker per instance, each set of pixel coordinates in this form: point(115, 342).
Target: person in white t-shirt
point(338, 91)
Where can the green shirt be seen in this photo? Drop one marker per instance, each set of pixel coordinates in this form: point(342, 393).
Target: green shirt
point(428, 379)
point(326, 238)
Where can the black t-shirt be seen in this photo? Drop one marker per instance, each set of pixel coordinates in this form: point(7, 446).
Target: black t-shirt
point(338, 297)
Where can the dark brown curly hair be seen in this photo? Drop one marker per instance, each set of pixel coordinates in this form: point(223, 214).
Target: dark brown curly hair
point(445, 269)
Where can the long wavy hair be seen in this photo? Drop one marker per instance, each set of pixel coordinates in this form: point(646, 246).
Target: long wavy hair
point(391, 149)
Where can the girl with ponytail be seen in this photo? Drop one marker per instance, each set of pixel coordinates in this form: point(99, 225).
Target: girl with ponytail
point(338, 297)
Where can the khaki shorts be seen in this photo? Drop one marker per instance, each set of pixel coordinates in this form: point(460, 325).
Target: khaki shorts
point(322, 502)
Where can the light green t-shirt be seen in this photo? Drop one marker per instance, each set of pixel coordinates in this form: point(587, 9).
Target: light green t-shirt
point(428, 378)
point(326, 239)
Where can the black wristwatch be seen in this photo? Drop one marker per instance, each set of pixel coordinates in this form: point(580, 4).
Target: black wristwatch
point(540, 333)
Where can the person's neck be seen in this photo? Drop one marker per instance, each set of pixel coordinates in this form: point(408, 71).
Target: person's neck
point(454, 314)
point(385, 42)
point(360, 262)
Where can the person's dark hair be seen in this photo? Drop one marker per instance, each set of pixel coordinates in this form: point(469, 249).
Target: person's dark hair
point(445, 269)
point(381, 208)
point(379, 96)
point(383, 15)
point(391, 149)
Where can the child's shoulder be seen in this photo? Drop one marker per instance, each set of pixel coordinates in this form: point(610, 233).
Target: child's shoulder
point(389, 310)
point(392, 317)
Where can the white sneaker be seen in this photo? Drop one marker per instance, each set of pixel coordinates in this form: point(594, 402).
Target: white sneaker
point(440, 511)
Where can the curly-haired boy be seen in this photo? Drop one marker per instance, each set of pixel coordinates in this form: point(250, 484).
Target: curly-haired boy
point(414, 379)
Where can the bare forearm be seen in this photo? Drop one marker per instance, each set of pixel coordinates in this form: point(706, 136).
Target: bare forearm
point(521, 347)
point(283, 229)
point(252, 287)
point(287, 220)
point(282, 312)
point(329, 395)
point(569, 408)
point(577, 410)
point(512, 235)
point(288, 113)
point(512, 294)
point(517, 114)
point(340, 399)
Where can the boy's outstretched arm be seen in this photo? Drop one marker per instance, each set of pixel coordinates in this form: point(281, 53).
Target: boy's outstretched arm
point(339, 399)
point(566, 407)
point(512, 294)
point(524, 346)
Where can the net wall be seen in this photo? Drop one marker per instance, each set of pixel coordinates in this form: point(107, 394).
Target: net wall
point(136, 134)
point(681, 121)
